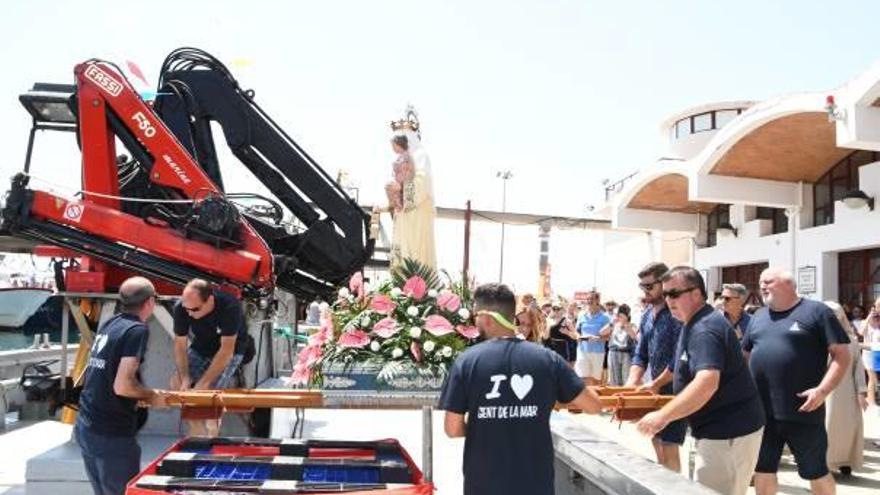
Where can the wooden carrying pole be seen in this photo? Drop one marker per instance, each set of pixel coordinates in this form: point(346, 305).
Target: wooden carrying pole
point(250, 399)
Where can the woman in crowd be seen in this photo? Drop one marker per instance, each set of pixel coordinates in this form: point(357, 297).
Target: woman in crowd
point(530, 320)
point(844, 407)
point(562, 334)
point(622, 335)
point(870, 336)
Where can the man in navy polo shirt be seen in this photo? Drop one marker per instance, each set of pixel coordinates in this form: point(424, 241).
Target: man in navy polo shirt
point(219, 340)
point(714, 389)
point(507, 387)
point(788, 343)
point(658, 336)
point(107, 421)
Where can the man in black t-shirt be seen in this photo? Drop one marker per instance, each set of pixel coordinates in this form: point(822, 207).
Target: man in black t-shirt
point(507, 387)
point(713, 388)
point(219, 339)
point(107, 421)
point(788, 344)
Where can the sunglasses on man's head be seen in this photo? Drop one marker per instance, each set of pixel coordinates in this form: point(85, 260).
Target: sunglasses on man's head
point(676, 293)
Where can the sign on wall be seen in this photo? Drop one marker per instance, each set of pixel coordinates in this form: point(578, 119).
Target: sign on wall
point(806, 279)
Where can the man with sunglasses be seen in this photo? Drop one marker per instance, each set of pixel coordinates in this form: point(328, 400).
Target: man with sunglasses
point(507, 387)
point(733, 300)
point(108, 421)
point(219, 341)
point(788, 345)
point(714, 389)
point(658, 336)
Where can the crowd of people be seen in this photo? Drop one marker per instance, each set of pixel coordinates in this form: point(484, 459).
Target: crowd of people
point(747, 380)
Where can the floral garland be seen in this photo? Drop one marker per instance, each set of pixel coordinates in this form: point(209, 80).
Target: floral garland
point(415, 324)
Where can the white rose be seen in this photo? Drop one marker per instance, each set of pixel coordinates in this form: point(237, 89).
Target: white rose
point(365, 322)
point(428, 346)
point(415, 332)
point(397, 352)
point(446, 351)
point(374, 346)
point(367, 288)
point(464, 313)
point(396, 292)
point(412, 311)
point(433, 293)
point(344, 293)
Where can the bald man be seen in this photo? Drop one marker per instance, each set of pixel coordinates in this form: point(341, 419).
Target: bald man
point(107, 421)
point(787, 345)
point(219, 343)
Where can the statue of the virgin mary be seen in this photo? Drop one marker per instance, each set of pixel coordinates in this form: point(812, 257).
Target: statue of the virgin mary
point(411, 195)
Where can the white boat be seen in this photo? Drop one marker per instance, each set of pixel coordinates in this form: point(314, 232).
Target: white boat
point(17, 304)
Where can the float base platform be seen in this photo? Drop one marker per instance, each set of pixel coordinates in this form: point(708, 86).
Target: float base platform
point(279, 466)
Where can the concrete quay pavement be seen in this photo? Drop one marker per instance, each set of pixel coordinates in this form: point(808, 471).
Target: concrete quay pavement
point(864, 481)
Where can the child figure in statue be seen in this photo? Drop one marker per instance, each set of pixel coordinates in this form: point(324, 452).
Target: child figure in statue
point(400, 191)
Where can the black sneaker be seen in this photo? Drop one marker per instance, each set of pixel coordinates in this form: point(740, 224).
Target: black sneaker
point(846, 471)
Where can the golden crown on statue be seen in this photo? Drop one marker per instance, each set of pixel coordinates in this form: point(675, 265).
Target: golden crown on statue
point(410, 121)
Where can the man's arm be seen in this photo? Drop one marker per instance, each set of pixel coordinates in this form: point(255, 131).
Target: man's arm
point(587, 401)
point(687, 402)
point(181, 361)
point(640, 361)
point(454, 425)
point(840, 361)
point(218, 363)
point(659, 382)
point(126, 383)
point(636, 373)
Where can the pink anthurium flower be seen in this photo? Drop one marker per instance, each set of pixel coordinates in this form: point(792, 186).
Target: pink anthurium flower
point(356, 284)
point(416, 352)
point(301, 375)
point(415, 287)
point(438, 326)
point(467, 331)
point(357, 338)
point(449, 301)
point(382, 304)
point(386, 327)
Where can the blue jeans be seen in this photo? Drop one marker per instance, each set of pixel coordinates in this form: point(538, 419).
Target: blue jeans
point(198, 364)
point(110, 461)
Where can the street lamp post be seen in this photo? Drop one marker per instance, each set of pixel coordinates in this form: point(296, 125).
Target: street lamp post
point(504, 175)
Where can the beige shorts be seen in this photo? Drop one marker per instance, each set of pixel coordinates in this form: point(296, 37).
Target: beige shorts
point(727, 465)
point(589, 364)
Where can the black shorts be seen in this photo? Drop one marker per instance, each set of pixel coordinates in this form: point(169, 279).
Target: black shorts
point(674, 433)
point(807, 442)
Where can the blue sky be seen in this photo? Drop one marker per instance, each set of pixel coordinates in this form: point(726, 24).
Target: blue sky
point(563, 93)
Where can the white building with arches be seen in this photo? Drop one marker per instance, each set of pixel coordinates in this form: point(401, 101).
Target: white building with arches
point(785, 182)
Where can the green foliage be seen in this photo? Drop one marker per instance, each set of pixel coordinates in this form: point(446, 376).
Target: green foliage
point(409, 268)
point(462, 287)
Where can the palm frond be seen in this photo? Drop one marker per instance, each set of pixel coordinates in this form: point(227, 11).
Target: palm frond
point(390, 370)
point(462, 287)
point(409, 267)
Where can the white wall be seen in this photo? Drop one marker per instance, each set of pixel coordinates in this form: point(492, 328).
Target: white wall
point(624, 254)
point(816, 246)
point(689, 146)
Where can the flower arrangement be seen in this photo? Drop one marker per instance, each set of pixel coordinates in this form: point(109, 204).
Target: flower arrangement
point(411, 320)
